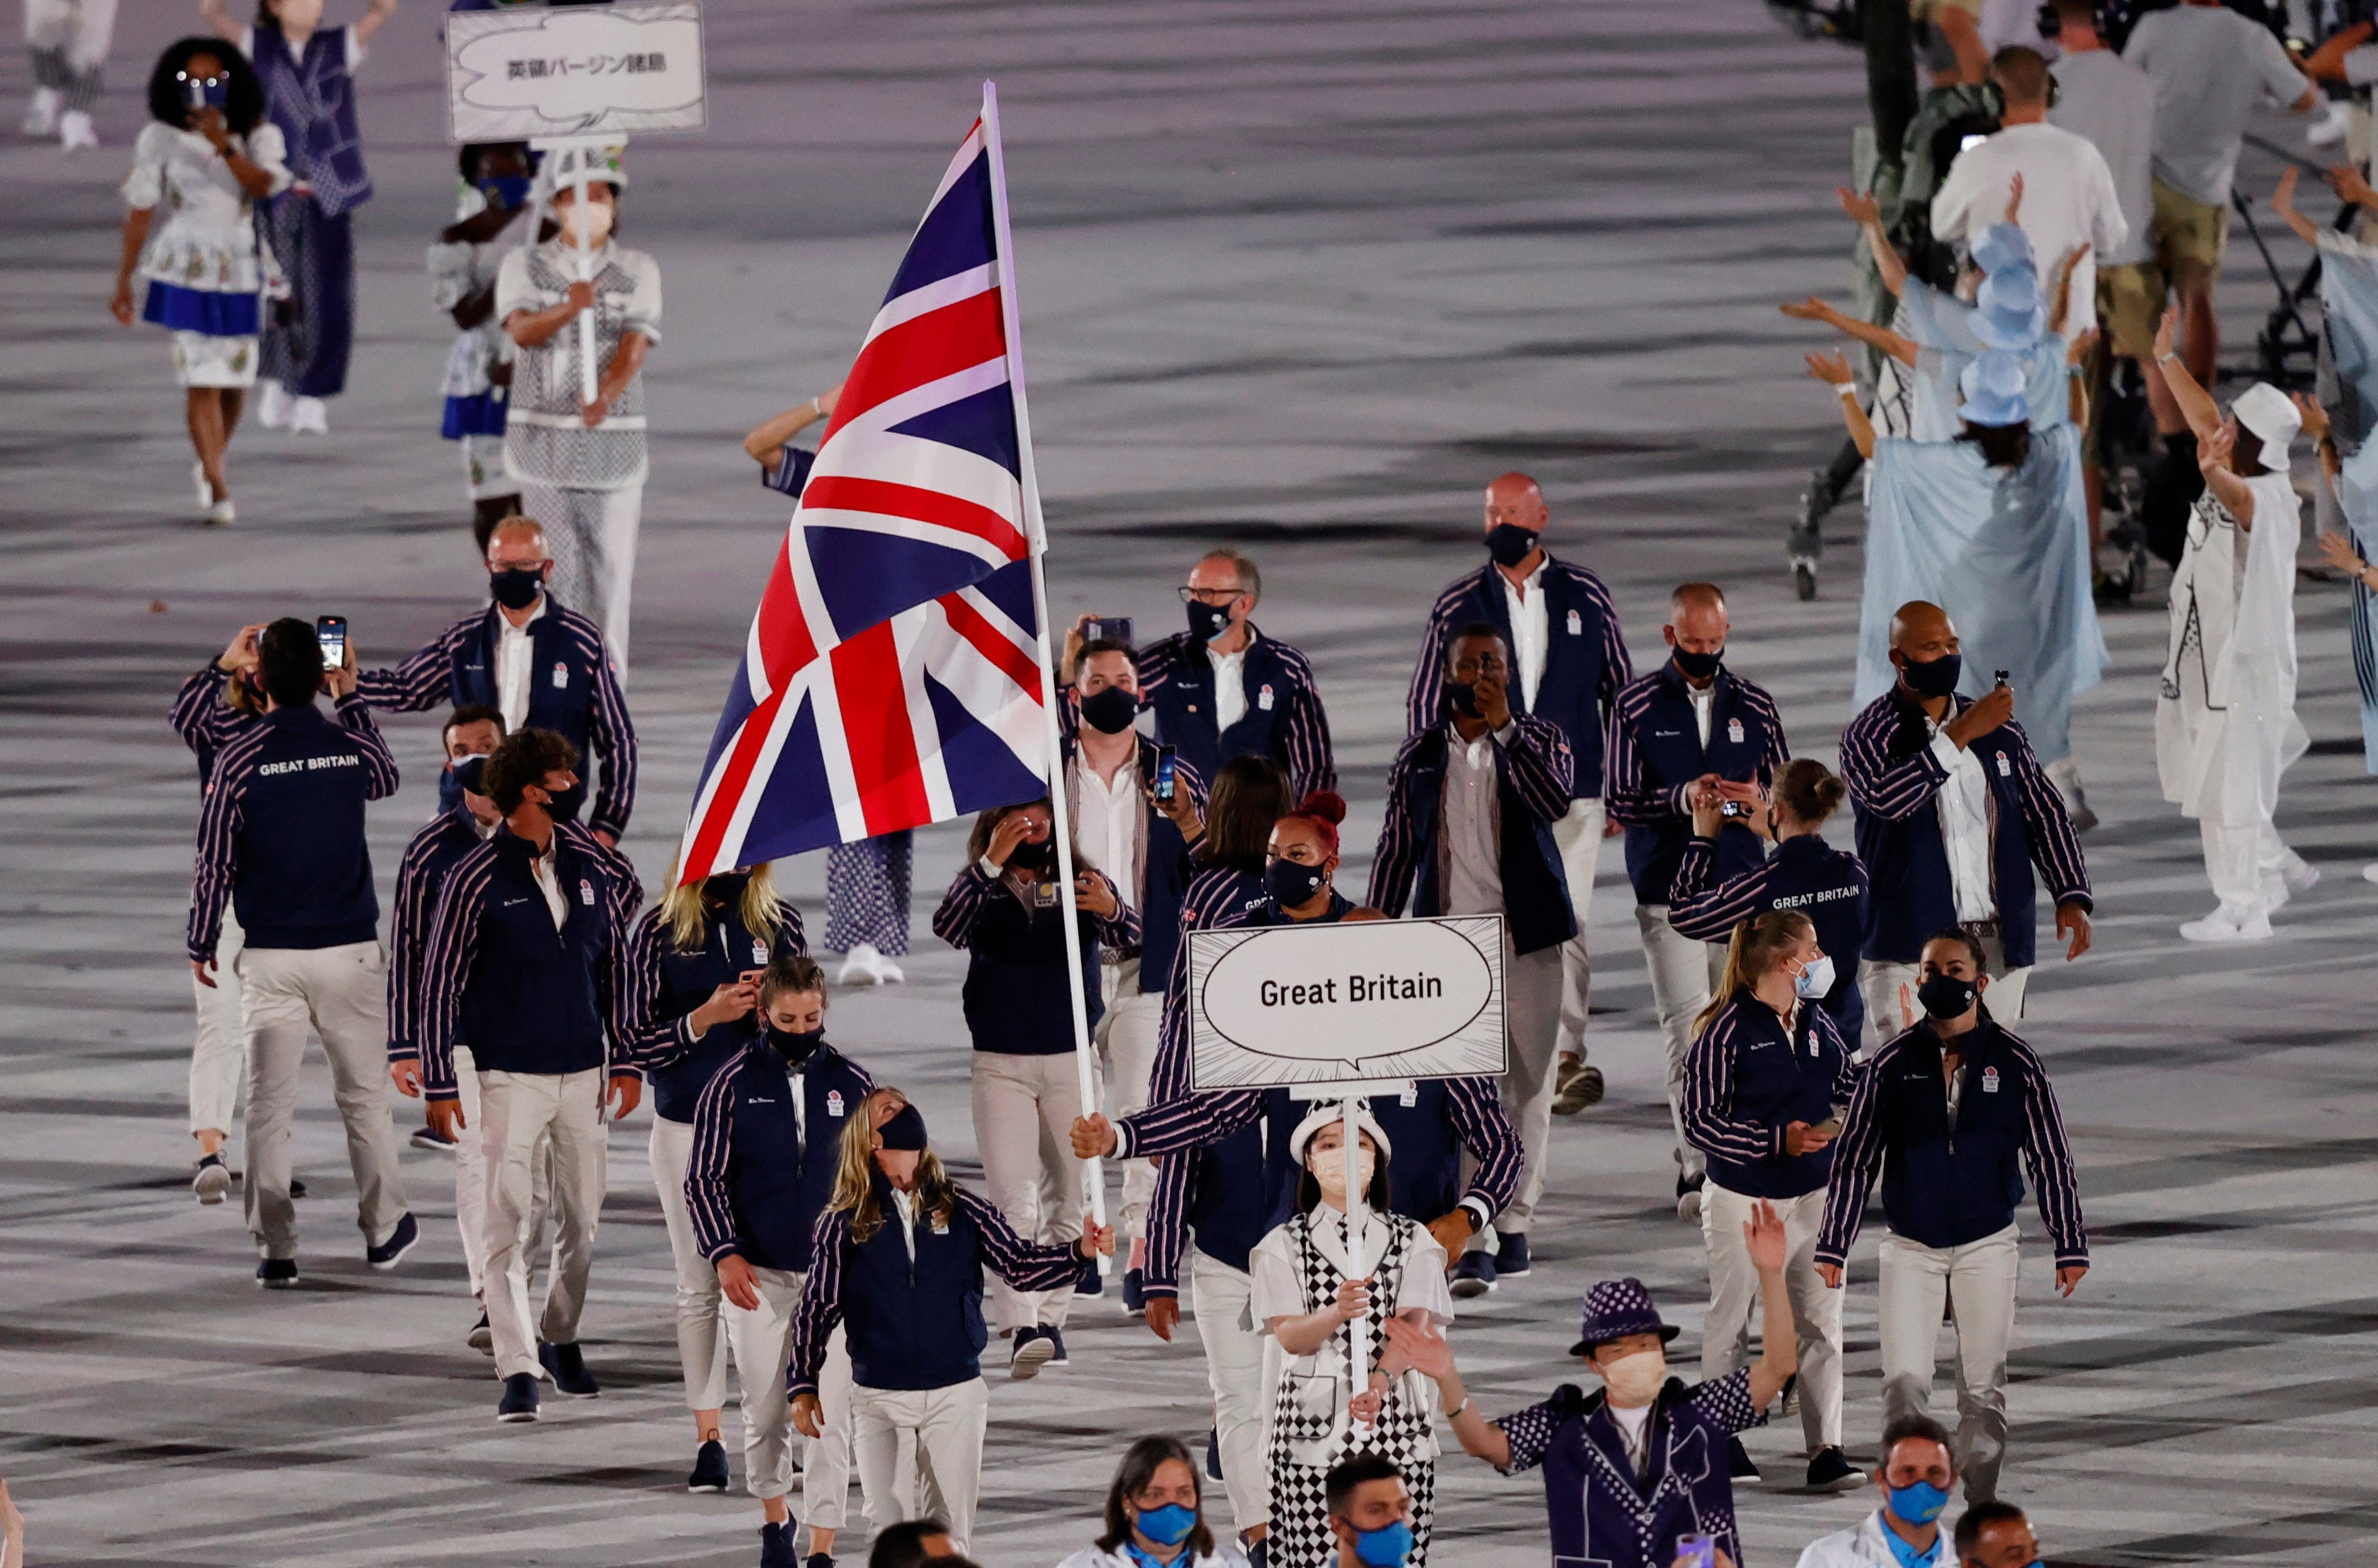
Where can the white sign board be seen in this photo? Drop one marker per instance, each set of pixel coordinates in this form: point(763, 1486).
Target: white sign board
point(575, 70)
point(1356, 1001)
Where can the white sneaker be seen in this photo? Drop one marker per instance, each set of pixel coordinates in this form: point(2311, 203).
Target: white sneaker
point(2283, 882)
point(41, 113)
point(198, 482)
point(307, 416)
point(272, 406)
point(2329, 129)
point(222, 513)
point(75, 132)
point(2229, 923)
point(861, 963)
point(887, 972)
point(2370, 872)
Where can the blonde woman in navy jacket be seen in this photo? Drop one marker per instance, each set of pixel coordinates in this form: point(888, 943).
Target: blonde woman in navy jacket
point(1766, 1070)
point(897, 1260)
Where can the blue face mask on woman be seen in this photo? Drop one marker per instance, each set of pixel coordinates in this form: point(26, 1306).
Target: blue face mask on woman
point(1385, 1548)
point(1167, 1525)
point(1816, 980)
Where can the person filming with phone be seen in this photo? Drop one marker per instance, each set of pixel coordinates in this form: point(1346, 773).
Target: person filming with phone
point(1953, 810)
point(280, 839)
point(1943, 1112)
point(1765, 1073)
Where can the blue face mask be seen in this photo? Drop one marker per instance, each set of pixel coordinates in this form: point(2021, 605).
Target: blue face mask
point(1386, 1547)
point(1167, 1525)
point(1816, 980)
point(505, 190)
point(1918, 1503)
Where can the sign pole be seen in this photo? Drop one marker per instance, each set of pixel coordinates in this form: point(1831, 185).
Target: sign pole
point(1035, 546)
point(1358, 1334)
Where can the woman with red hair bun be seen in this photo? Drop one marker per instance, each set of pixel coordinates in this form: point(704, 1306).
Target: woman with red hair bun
point(1302, 865)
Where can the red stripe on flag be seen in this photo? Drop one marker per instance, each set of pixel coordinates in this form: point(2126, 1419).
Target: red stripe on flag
point(877, 731)
point(958, 336)
point(883, 498)
point(734, 778)
point(785, 644)
point(969, 623)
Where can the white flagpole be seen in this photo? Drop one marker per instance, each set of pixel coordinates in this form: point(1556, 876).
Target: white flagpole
point(1086, 1074)
point(1358, 1335)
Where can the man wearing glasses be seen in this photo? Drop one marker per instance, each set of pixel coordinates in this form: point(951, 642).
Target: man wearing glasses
point(1223, 690)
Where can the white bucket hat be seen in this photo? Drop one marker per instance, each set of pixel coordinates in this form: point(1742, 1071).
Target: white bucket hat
point(1332, 1112)
point(2264, 409)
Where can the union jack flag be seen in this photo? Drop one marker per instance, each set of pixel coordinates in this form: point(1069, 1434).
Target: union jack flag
point(892, 676)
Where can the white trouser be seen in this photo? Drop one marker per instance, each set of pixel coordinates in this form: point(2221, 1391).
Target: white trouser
point(1024, 1111)
point(80, 30)
point(519, 1110)
point(470, 1180)
point(2241, 863)
point(1816, 1310)
point(945, 1426)
point(1978, 1281)
point(1578, 837)
point(343, 991)
point(1236, 1363)
point(591, 537)
point(483, 469)
point(219, 1054)
point(701, 1349)
point(1879, 984)
point(1533, 990)
point(763, 1350)
point(1127, 1039)
point(1684, 973)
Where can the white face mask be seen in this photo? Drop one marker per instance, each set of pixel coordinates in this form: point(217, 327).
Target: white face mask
point(1328, 1166)
point(590, 218)
point(1634, 1380)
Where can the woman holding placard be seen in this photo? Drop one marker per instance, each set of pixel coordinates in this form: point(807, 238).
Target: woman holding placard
point(1308, 1294)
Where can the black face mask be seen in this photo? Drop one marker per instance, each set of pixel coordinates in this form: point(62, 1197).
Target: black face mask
point(449, 791)
point(1697, 666)
point(1946, 997)
point(1290, 883)
point(1509, 544)
point(726, 887)
point(1937, 678)
point(795, 1046)
point(516, 588)
point(1461, 699)
point(1110, 710)
point(1207, 621)
point(564, 808)
point(1028, 856)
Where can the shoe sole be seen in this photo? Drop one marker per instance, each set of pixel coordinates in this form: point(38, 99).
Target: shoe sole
point(277, 1285)
point(575, 1393)
point(1469, 1290)
point(1028, 1361)
point(384, 1264)
point(717, 1489)
point(511, 1418)
point(1502, 1273)
point(432, 1145)
point(485, 1344)
point(212, 1192)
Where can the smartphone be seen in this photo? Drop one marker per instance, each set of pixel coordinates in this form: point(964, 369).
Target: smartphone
point(1830, 1126)
point(332, 630)
point(752, 977)
point(1167, 768)
point(1699, 1550)
point(1108, 629)
point(1734, 808)
point(2001, 677)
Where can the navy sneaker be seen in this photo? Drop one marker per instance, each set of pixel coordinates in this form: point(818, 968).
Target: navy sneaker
point(429, 1137)
point(296, 1188)
point(389, 1253)
point(482, 1338)
point(569, 1371)
point(776, 1546)
point(1032, 1348)
point(1258, 1550)
point(1135, 1293)
point(1056, 1338)
point(1474, 1276)
point(1213, 1453)
point(519, 1403)
point(1511, 1256)
point(210, 1183)
point(820, 1560)
point(276, 1274)
point(709, 1467)
point(1831, 1471)
point(1737, 1462)
point(1090, 1284)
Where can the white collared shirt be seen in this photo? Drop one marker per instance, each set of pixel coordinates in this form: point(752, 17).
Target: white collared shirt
point(1107, 825)
point(1704, 700)
point(1471, 818)
point(1230, 684)
point(793, 1081)
point(906, 1203)
point(1966, 827)
point(1531, 630)
point(541, 867)
point(513, 658)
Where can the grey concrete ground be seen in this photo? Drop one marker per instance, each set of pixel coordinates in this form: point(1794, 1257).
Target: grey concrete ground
point(1304, 275)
